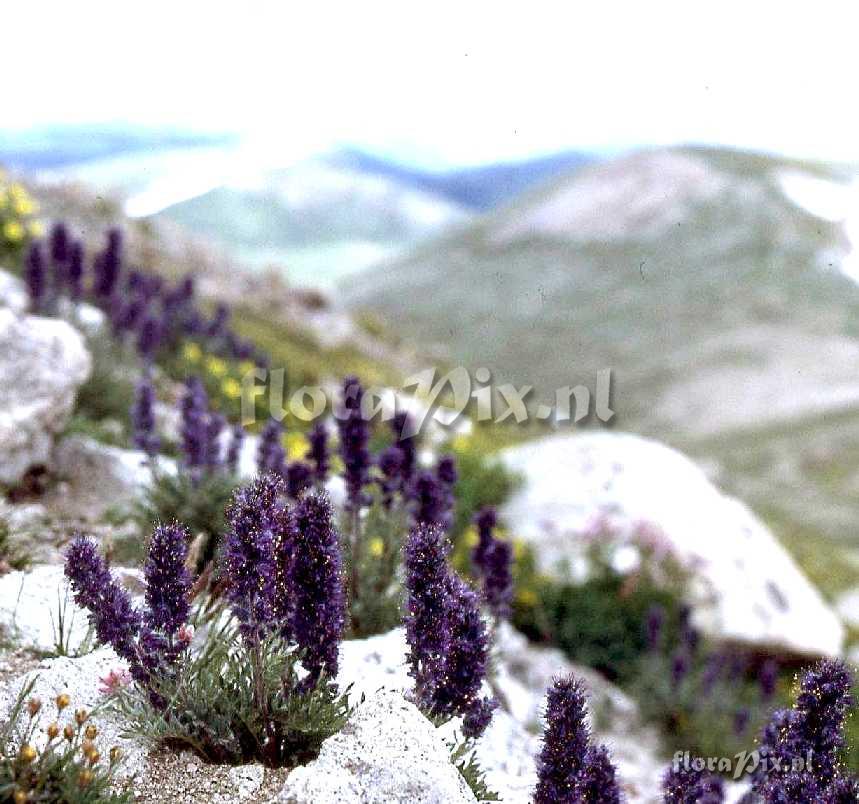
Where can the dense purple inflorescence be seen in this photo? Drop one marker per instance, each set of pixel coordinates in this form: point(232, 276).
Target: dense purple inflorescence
point(35, 277)
point(194, 428)
point(565, 741)
point(299, 478)
point(317, 453)
point(271, 456)
point(354, 437)
point(250, 555)
point(316, 585)
point(427, 628)
point(234, 451)
point(686, 785)
point(493, 562)
point(812, 728)
point(168, 582)
point(596, 782)
point(143, 417)
point(429, 500)
point(448, 642)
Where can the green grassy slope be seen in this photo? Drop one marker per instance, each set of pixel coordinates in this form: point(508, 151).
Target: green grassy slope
point(715, 299)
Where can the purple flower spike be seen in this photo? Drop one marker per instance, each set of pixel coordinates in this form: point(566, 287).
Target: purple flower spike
point(149, 337)
point(407, 444)
point(429, 500)
point(34, 276)
point(457, 691)
point(143, 417)
point(317, 453)
point(685, 785)
point(597, 780)
point(115, 620)
point(75, 270)
point(195, 414)
point(390, 463)
point(107, 266)
point(565, 743)
point(250, 555)
point(168, 582)
point(498, 580)
point(299, 478)
point(215, 424)
point(768, 678)
point(234, 451)
point(354, 437)
point(813, 727)
point(493, 561)
point(316, 583)
point(427, 629)
point(271, 456)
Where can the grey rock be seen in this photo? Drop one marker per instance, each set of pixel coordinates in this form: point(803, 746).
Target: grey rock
point(43, 361)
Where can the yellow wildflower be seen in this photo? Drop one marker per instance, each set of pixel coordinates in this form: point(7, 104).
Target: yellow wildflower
point(36, 229)
point(216, 366)
point(471, 537)
point(460, 443)
point(519, 548)
point(232, 388)
point(527, 597)
point(192, 352)
point(13, 231)
point(246, 366)
point(376, 547)
point(25, 206)
point(296, 446)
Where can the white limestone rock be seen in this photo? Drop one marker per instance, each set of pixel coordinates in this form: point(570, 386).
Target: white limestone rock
point(43, 361)
point(387, 752)
point(748, 588)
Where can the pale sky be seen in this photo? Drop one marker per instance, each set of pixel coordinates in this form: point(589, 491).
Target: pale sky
point(446, 82)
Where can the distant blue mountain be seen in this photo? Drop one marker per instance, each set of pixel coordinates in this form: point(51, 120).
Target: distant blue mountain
point(53, 147)
point(479, 188)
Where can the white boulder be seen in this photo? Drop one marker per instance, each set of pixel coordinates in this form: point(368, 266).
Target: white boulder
point(43, 361)
point(387, 752)
point(748, 589)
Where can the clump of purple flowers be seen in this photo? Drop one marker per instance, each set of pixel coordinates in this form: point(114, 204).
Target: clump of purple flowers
point(142, 308)
point(448, 641)
point(493, 562)
point(201, 430)
point(570, 768)
point(148, 640)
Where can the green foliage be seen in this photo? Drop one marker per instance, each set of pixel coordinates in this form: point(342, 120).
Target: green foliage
point(230, 710)
point(109, 392)
point(377, 597)
point(599, 622)
point(67, 770)
point(62, 624)
point(199, 505)
point(465, 760)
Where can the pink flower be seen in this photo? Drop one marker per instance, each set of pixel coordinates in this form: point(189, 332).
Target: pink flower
point(186, 633)
point(114, 681)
